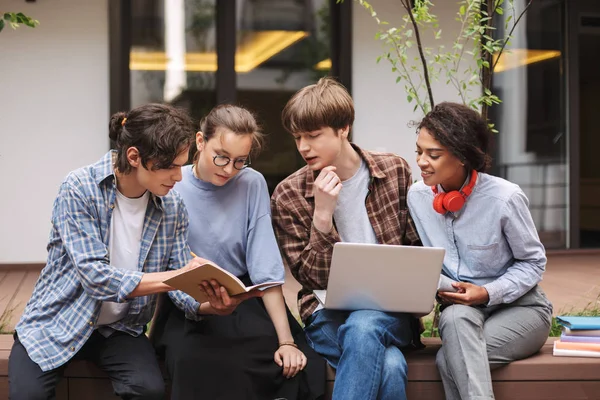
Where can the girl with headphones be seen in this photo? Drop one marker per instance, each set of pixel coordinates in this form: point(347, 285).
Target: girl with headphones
point(493, 311)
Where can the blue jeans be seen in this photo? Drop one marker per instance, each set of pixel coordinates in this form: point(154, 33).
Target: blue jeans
point(363, 347)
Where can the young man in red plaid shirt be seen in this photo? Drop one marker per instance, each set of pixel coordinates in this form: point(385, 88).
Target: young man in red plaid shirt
point(345, 194)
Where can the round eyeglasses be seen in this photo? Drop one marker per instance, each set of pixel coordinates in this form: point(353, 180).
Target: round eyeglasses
point(239, 164)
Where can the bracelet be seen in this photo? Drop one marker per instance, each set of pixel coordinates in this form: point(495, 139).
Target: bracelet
point(288, 344)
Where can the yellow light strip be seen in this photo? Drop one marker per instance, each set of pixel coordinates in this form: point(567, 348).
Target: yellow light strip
point(516, 58)
point(323, 65)
point(520, 57)
point(262, 46)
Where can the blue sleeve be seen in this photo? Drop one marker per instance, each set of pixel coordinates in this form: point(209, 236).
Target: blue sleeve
point(75, 220)
point(413, 209)
point(263, 258)
point(528, 252)
point(180, 256)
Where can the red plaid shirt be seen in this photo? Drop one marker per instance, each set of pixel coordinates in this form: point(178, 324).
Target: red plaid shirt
point(307, 251)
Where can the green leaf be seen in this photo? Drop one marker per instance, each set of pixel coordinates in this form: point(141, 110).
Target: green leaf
point(462, 10)
point(1, 24)
point(499, 10)
point(409, 98)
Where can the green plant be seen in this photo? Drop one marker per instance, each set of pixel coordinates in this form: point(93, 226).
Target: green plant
point(5, 320)
point(592, 309)
point(16, 19)
point(430, 323)
point(478, 38)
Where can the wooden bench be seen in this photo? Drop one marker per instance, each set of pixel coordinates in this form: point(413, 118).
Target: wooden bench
point(539, 377)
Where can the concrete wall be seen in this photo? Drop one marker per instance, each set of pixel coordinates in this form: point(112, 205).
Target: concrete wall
point(53, 113)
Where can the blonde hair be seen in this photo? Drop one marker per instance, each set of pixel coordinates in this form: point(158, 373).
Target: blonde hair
point(326, 103)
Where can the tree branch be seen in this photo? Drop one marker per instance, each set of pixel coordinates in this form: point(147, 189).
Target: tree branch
point(486, 76)
point(510, 34)
point(408, 78)
point(408, 9)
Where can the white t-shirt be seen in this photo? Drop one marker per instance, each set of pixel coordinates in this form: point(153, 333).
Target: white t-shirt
point(126, 228)
point(350, 215)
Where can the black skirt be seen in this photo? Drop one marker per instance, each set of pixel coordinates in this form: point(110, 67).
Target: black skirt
point(231, 357)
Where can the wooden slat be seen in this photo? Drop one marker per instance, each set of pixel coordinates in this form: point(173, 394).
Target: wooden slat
point(21, 297)
point(571, 390)
point(425, 390)
point(6, 342)
point(3, 387)
point(90, 389)
point(8, 287)
point(4, 363)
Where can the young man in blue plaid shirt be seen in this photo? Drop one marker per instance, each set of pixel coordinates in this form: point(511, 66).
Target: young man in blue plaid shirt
point(117, 233)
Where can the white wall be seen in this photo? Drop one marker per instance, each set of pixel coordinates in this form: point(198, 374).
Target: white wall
point(382, 111)
point(54, 109)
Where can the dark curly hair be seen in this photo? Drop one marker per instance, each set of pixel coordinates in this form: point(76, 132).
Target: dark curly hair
point(160, 132)
point(463, 131)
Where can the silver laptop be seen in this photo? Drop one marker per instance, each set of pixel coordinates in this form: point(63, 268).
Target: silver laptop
point(382, 277)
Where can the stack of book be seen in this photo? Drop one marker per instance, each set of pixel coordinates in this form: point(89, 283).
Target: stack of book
point(580, 337)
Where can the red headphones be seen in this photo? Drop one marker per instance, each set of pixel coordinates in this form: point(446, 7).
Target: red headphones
point(453, 201)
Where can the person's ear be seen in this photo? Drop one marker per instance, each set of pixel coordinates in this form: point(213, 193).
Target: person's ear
point(199, 140)
point(345, 131)
point(133, 157)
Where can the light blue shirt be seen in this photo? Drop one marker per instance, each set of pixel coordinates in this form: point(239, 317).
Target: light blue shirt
point(491, 242)
point(231, 224)
point(64, 307)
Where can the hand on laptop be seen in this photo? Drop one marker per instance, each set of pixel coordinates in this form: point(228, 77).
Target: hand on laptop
point(467, 294)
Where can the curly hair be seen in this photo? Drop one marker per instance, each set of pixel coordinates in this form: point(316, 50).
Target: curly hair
point(463, 131)
point(160, 132)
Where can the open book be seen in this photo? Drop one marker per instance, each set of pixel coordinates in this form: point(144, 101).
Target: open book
point(189, 281)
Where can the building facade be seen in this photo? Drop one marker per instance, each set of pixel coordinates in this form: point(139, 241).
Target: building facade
point(89, 59)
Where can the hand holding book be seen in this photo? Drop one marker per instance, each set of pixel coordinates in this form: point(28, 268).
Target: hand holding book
point(208, 282)
point(219, 302)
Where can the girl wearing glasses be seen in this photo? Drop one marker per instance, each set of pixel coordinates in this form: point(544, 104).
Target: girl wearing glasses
point(247, 346)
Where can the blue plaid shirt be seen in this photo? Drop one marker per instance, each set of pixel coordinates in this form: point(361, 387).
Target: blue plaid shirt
point(64, 307)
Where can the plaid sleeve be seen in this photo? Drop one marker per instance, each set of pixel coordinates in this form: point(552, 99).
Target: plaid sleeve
point(77, 225)
point(306, 250)
point(180, 256)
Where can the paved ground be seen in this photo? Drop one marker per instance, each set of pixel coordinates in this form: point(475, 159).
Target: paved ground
point(571, 281)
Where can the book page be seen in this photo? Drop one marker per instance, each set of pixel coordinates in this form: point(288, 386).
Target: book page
point(264, 285)
point(189, 281)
